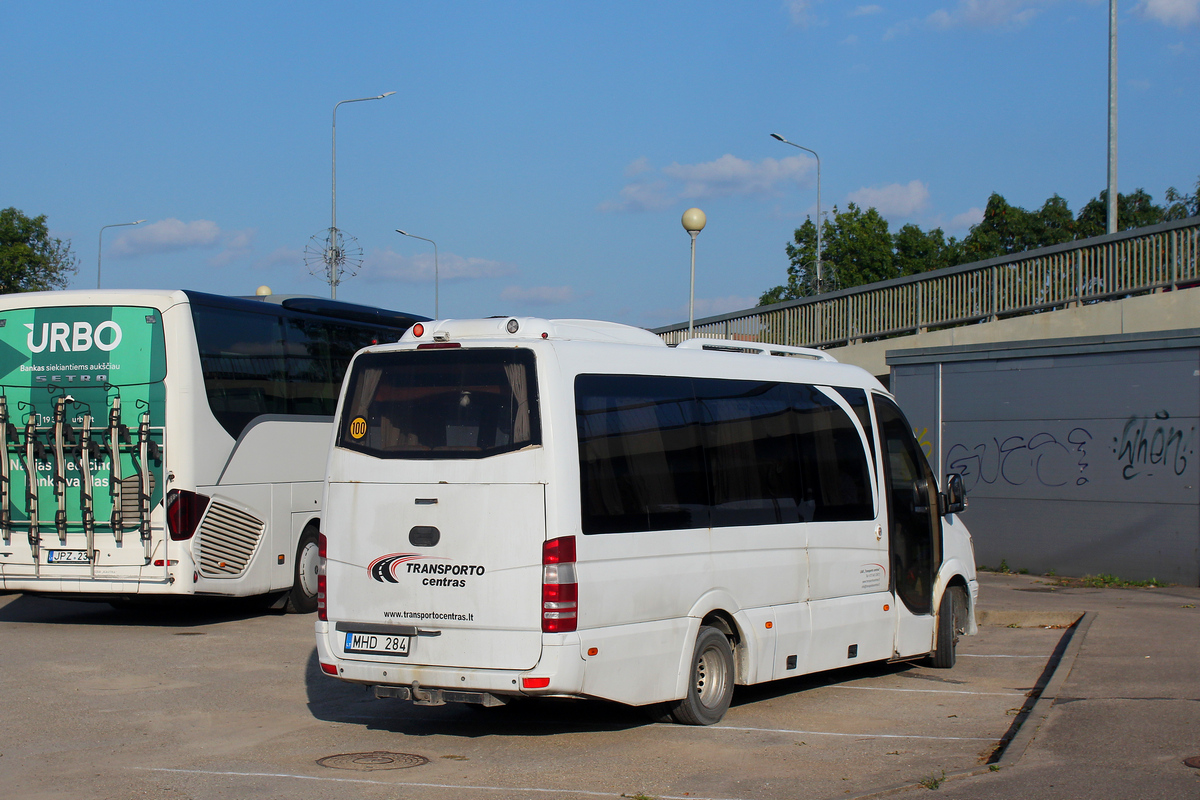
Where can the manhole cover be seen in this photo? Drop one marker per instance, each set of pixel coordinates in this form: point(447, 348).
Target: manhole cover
point(1193, 762)
point(366, 762)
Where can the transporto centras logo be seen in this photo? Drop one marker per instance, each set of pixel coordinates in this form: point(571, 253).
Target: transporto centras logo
point(383, 569)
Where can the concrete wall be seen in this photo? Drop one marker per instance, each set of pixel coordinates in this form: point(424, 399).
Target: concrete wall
point(1163, 311)
point(1078, 456)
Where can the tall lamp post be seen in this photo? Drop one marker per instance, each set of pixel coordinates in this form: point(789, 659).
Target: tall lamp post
point(1113, 197)
point(693, 222)
point(818, 158)
point(436, 314)
point(100, 244)
point(332, 255)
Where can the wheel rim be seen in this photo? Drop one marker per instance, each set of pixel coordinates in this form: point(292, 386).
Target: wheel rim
point(712, 675)
point(308, 569)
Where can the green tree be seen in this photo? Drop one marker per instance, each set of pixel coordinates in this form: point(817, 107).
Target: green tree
point(30, 259)
point(857, 249)
point(1135, 210)
point(802, 268)
point(919, 251)
point(1182, 206)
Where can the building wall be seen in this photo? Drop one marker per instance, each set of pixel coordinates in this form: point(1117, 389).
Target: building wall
point(1078, 456)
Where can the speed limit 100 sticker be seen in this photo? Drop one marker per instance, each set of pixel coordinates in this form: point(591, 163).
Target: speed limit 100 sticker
point(358, 427)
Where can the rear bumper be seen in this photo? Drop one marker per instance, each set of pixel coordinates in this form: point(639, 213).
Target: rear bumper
point(560, 662)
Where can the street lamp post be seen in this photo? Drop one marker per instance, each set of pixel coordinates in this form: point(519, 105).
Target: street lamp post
point(1113, 197)
point(693, 222)
point(818, 158)
point(331, 256)
point(100, 245)
point(436, 314)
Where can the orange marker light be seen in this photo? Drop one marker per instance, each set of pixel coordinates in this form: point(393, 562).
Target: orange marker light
point(592, 651)
point(770, 625)
point(886, 607)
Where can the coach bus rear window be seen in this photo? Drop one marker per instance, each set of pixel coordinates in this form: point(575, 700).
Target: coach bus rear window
point(441, 404)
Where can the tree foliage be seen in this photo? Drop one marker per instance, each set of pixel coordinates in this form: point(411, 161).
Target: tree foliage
point(857, 247)
point(30, 259)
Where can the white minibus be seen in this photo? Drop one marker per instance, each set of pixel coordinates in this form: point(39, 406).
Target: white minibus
point(166, 442)
point(568, 508)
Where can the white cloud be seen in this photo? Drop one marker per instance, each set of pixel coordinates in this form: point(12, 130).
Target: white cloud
point(167, 236)
point(963, 221)
point(801, 12)
point(987, 14)
point(172, 236)
point(637, 167)
point(895, 200)
point(388, 265)
point(539, 295)
point(863, 11)
point(726, 177)
point(237, 244)
point(281, 256)
point(642, 196)
point(1176, 13)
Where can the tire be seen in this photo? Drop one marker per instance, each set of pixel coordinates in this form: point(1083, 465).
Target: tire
point(951, 618)
point(710, 686)
point(302, 598)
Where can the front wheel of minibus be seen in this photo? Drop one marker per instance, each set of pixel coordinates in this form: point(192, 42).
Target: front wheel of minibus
point(710, 688)
point(951, 618)
point(302, 599)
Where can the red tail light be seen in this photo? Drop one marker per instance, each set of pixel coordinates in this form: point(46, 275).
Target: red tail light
point(184, 510)
point(560, 591)
point(322, 592)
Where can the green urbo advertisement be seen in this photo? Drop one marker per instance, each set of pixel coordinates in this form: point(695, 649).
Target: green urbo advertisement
point(81, 408)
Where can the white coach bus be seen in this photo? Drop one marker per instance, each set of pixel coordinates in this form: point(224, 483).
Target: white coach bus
point(169, 442)
point(520, 507)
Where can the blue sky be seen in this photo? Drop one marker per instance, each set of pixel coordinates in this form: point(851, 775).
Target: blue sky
point(550, 149)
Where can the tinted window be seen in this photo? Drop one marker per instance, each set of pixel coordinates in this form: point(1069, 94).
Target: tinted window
point(273, 363)
point(640, 461)
point(662, 453)
point(449, 403)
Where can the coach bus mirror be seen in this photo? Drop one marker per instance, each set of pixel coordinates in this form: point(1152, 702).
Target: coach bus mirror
point(954, 499)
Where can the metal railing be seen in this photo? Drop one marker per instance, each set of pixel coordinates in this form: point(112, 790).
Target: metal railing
point(1155, 258)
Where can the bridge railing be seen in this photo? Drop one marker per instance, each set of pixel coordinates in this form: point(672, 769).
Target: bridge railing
point(1156, 258)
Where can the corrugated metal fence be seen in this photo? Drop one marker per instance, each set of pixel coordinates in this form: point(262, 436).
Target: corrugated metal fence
point(1161, 257)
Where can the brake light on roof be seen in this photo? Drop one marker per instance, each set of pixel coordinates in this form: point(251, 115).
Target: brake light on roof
point(438, 345)
point(184, 510)
point(560, 590)
point(322, 592)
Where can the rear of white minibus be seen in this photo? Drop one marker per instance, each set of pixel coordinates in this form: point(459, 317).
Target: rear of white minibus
point(439, 583)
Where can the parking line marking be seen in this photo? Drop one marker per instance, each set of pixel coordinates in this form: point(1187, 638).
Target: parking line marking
point(458, 787)
point(852, 735)
point(933, 691)
point(981, 655)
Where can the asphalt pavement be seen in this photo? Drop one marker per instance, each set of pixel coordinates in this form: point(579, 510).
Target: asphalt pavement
point(1117, 712)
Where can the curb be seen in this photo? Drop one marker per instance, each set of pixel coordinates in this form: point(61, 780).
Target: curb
point(1029, 720)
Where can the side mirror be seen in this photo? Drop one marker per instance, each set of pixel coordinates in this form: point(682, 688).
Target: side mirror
point(920, 496)
point(954, 499)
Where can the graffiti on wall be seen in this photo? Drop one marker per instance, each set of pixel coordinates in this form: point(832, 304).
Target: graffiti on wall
point(1046, 459)
point(1147, 445)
